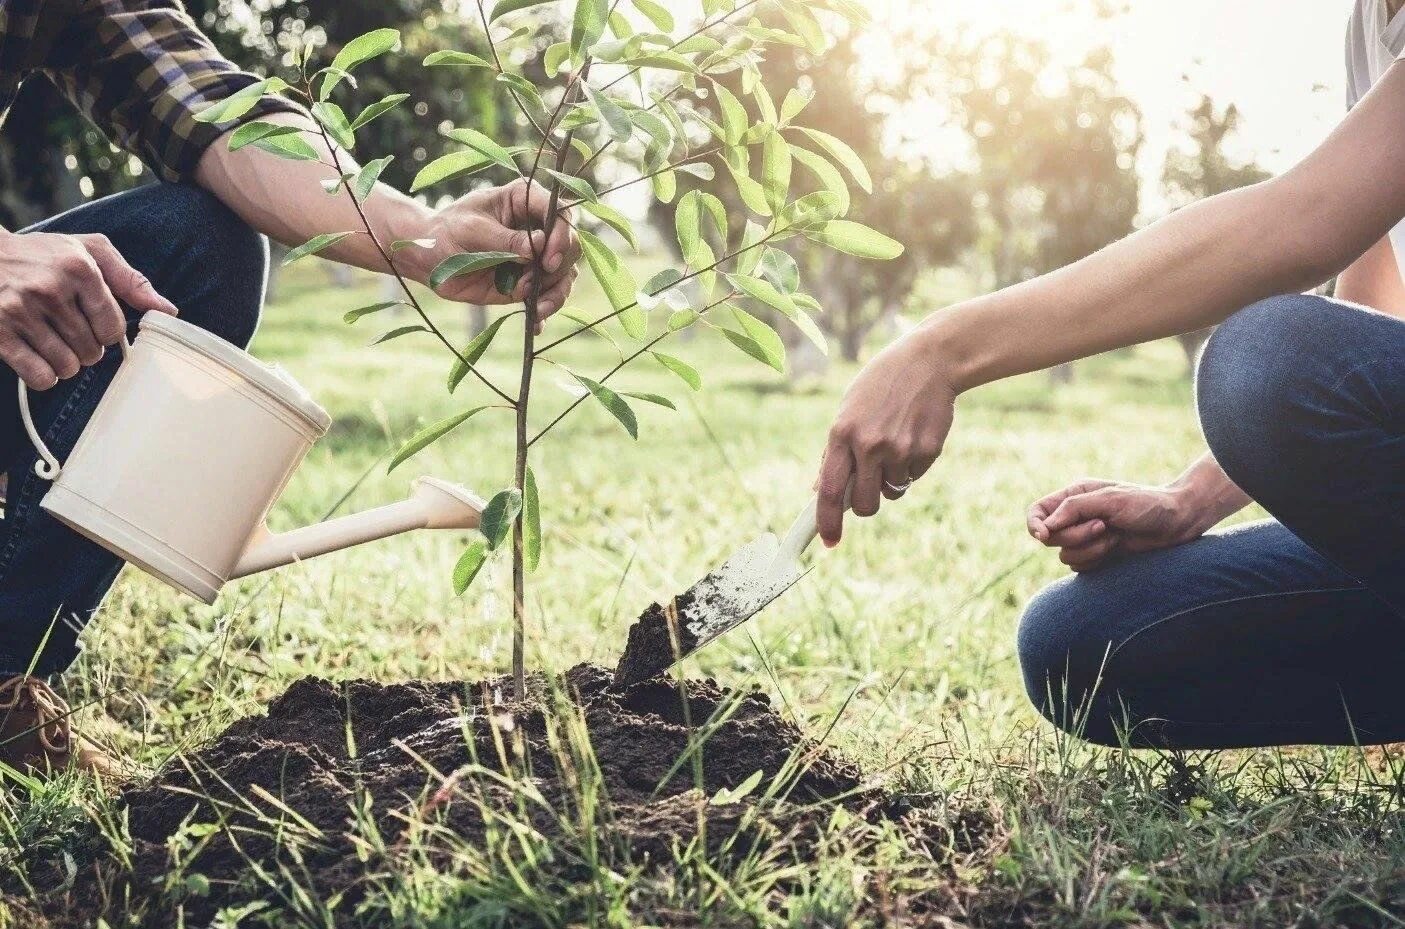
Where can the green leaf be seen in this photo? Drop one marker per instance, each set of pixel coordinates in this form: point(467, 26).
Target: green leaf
point(398, 332)
point(780, 269)
point(828, 175)
point(665, 186)
point(531, 522)
point(664, 60)
point(429, 435)
point(331, 117)
point(314, 245)
point(249, 133)
point(795, 101)
point(293, 147)
point(616, 281)
point(448, 58)
point(842, 153)
point(616, 119)
point(467, 263)
point(578, 186)
point(754, 349)
point(656, 399)
point(503, 7)
point(360, 49)
point(588, 25)
point(330, 78)
point(764, 291)
point(811, 330)
point(484, 146)
point(615, 220)
point(765, 339)
point(662, 281)
point(726, 795)
point(525, 89)
point(498, 516)
point(474, 350)
point(368, 175)
point(380, 107)
point(506, 277)
point(555, 57)
point(687, 221)
point(241, 101)
point(656, 14)
point(468, 566)
point(444, 167)
point(703, 170)
point(812, 209)
point(775, 170)
point(751, 192)
point(353, 315)
point(685, 371)
point(734, 118)
point(682, 319)
point(856, 239)
point(613, 402)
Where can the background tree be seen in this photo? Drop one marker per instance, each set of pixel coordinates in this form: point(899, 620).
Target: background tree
point(1202, 169)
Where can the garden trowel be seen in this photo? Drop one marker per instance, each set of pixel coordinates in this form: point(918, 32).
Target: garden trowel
point(743, 586)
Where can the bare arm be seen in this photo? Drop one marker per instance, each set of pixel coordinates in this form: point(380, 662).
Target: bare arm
point(1373, 280)
point(1192, 269)
point(284, 199)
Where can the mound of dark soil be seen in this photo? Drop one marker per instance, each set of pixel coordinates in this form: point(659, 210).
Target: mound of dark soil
point(284, 785)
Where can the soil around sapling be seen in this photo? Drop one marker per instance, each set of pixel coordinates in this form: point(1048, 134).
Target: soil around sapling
point(656, 641)
point(284, 785)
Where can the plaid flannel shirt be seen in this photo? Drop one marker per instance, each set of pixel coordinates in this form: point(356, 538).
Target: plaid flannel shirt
point(139, 69)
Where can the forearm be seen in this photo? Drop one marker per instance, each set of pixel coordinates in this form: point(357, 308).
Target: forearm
point(1190, 270)
point(1207, 493)
point(285, 200)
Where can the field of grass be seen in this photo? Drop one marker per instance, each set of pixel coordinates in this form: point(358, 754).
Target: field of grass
point(901, 640)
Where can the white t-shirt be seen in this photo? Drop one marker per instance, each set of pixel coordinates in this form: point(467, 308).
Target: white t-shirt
point(1373, 42)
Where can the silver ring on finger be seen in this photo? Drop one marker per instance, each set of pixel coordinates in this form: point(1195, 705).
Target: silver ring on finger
point(897, 488)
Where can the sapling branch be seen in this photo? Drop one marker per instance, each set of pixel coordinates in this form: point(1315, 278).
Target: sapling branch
point(410, 297)
point(524, 393)
point(497, 62)
point(662, 290)
point(672, 166)
point(623, 362)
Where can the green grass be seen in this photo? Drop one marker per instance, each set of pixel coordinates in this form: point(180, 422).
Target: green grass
point(908, 627)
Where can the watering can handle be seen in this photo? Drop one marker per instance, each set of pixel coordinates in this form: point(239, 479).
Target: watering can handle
point(49, 467)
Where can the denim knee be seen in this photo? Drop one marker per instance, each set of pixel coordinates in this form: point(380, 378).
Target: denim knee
point(1061, 663)
point(219, 264)
point(1263, 377)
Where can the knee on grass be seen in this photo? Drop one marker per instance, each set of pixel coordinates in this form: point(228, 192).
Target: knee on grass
point(1063, 665)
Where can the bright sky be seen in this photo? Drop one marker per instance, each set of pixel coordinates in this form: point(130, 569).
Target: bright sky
point(1281, 61)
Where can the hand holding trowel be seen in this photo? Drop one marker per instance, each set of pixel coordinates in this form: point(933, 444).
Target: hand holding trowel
point(756, 574)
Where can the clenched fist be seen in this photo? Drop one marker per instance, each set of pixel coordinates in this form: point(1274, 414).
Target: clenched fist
point(59, 303)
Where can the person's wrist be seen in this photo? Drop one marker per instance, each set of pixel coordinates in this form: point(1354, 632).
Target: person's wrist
point(942, 345)
point(407, 220)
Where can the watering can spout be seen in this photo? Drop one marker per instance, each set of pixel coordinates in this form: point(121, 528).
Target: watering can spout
point(432, 504)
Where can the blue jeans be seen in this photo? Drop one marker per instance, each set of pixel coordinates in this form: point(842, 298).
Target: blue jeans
point(1287, 631)
point(213, 267)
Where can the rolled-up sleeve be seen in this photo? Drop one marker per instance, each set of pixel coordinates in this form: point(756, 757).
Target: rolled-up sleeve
point(141, 70)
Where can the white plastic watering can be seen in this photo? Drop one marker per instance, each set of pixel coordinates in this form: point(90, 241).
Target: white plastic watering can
point(188, 450)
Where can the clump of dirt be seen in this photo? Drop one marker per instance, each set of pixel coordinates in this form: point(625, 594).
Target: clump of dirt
point(656, 641)
point(286, 786)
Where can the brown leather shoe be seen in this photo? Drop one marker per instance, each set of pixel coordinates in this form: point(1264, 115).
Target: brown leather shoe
point(36, 736)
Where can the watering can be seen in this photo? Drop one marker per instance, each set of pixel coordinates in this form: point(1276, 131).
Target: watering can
point(188, 450)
